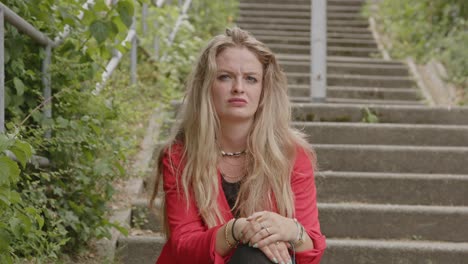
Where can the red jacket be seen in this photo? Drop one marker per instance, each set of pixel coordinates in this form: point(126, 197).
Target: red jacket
point(191, 241)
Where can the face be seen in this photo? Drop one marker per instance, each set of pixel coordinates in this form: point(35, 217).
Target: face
point(238, 84)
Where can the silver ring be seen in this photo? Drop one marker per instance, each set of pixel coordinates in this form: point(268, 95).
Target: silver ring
point(268, 231)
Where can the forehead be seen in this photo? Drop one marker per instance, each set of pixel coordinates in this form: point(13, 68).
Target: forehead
point(238, 59)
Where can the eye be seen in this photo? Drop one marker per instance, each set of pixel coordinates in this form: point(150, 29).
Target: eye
point(251, 79)
point(224, 77)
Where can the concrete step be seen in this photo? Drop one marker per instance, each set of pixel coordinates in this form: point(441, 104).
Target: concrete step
point(369, 81)
point(353, 51)
point(332, 51)
point(319, 112)
point(344, 15)
point(305, 41)
point(370, 101)
point(347, 68)
point(273, 20)
point(339, 59)
point(361, 60)
point(385, 134)
point(143, 249)
point(284, 6)
point(360, 251)
point(251, 26)
point(275, 13)
point(366, 35)
point(383, 221)
point(358, 101)
point(374, 81)
point(391, 158)
point(301, 21)
point(348, 30)
point(268, 26)
point(301, 6)
point(367, 69)
point(331, 3)
point(355, 23)
point(360, 93)
point(392, 188)
point(286, 33)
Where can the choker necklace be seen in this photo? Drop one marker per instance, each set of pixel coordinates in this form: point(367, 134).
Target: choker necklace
point(232, 154)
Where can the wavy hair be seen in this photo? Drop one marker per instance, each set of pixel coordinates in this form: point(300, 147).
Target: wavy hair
point(271, 146)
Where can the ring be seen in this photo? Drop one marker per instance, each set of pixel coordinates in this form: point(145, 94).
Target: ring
point(268, 231)
point(277, 243)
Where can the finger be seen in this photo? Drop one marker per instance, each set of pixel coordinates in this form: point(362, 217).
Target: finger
point(283, 251)
point(250, 231)
point(276, 253)
point(268, 240)
point(269, 254)
point(259, 236)
point(256, 216)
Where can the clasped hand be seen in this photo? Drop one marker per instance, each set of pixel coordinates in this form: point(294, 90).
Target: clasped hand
point(268, 231)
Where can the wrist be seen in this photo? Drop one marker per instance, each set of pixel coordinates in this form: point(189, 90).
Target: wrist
point(237, 229)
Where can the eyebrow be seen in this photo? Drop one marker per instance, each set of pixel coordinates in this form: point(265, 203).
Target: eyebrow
point(249, 73)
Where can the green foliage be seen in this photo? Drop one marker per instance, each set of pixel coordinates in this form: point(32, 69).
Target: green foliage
point(46, 211)
point(428, 29)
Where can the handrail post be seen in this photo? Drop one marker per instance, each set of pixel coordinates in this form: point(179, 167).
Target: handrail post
point(46, 80)
point(2, 70)
point(133, 54)
point(318, 51)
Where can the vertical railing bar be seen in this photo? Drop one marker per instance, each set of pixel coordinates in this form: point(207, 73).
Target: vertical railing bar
point(46, 81)
point(144, 17)
point(2, 70)
point(318, 51)
point(133, 56)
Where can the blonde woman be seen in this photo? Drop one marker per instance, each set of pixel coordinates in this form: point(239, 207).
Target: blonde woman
point(238, 180)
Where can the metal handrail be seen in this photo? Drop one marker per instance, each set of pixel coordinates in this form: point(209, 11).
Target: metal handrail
point(22, 25)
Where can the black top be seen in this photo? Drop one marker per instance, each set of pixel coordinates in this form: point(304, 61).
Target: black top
point(231, 190)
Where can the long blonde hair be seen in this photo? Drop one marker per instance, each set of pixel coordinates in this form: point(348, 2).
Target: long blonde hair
point(271, 145)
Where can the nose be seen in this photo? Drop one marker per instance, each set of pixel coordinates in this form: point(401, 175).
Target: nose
point(238, 86)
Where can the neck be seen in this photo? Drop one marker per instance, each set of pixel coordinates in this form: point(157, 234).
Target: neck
point(233, 136)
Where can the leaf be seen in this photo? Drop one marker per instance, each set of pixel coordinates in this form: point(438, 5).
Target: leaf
point(9, 170)
point(19, 86)
point(99, 30)
point(5, 239)
point(5, 142)
point(100, 6)
point(126, 11)
point(22, 151)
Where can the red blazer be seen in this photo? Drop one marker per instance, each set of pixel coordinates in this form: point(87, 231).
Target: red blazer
point(191, 241)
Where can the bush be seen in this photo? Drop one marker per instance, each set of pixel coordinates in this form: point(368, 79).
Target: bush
point(428, 29)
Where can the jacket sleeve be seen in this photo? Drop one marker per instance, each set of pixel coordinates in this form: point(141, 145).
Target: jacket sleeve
point(190, 240)
point(303, 187)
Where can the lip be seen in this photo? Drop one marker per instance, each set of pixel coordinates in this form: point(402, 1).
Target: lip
point(237, 100)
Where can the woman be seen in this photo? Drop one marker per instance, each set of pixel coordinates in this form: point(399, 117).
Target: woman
point(238, 180)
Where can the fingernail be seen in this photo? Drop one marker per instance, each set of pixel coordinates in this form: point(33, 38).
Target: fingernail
point(289, 262)
point(275, 260)
point(255, 245)
point(282, 262)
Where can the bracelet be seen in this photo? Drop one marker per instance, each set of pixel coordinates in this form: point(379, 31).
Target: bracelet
point(227, 238)
point(300, 234)
point(232, 231)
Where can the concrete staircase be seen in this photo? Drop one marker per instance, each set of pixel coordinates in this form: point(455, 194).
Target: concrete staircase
point(394, 191)
point(391, 191)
